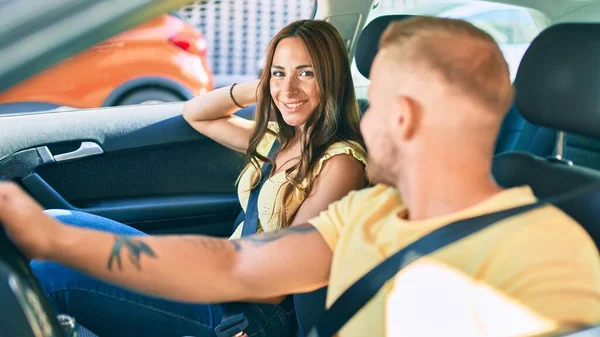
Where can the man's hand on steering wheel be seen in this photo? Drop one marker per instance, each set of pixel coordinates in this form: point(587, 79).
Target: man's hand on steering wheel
point(25, 222)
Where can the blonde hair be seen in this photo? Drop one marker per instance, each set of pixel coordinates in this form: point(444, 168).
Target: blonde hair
point(446, 46)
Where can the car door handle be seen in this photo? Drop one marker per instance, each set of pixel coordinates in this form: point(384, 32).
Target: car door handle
point(86, 149)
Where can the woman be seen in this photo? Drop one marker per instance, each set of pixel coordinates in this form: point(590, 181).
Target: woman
point(309, 93)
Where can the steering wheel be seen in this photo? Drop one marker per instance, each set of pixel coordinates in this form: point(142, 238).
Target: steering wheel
point(24, 309)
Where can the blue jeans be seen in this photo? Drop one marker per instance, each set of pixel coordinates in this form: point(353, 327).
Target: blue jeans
point(111, 311)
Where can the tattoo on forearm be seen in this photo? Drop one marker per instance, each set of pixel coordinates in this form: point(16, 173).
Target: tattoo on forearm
point(135, 248)
point(262, 239)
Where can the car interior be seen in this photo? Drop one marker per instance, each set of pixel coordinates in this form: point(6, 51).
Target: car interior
point(146, 167)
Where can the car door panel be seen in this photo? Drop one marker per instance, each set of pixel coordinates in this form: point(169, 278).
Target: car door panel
point(154, 172)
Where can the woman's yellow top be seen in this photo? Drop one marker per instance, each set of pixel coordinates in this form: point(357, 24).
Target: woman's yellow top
point(269, 198)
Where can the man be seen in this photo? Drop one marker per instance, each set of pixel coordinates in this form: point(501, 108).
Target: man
point(439, 92)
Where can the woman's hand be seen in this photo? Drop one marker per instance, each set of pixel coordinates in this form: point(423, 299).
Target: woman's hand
point(25, 222)
point(211, 114)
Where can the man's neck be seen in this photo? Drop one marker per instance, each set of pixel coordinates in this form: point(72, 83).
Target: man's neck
point(428, 196)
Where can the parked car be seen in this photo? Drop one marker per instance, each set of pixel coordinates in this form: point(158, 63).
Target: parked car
point(161, 60)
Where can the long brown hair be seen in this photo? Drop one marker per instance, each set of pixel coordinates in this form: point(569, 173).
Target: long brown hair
point(336, 119)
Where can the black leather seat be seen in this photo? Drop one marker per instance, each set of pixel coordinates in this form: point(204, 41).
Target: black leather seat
point(557, 87)
point(517, 134)
point(582, 151)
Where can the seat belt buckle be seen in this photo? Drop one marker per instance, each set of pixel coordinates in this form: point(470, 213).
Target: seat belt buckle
point(233, 326)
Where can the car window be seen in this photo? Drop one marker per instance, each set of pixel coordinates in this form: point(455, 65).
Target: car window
point(172, 57)
point(512, 27)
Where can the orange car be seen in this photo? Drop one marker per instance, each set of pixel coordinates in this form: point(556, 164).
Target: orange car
point(161, 60)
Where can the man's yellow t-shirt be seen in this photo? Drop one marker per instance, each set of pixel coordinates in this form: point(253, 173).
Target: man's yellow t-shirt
point(532, 273)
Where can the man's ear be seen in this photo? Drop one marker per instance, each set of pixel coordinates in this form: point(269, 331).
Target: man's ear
point(406, 117)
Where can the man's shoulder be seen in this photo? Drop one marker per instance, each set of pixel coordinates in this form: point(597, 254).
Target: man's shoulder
point(534, 222)
point(544, 259)
point(547, 216)
point(546, 227)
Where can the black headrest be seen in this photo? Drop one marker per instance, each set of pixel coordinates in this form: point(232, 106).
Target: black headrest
point(558, 82)
point(368, 42)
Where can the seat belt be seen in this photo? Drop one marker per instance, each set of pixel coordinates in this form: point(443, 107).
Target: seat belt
point(593, 331)
point(234, 321)
point(251, 216)
point(361, 292)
